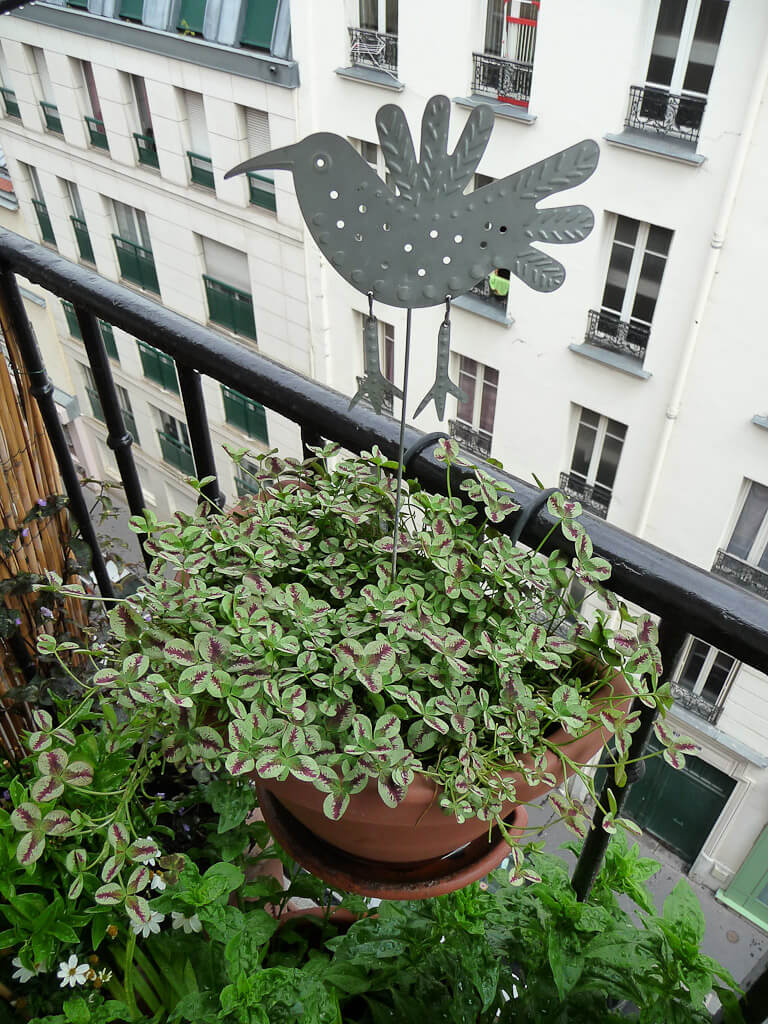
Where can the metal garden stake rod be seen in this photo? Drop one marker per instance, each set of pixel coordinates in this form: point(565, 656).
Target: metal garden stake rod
point(422, 240)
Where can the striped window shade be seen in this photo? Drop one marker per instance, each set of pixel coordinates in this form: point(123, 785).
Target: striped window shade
point(225, 264)
point(198, 131)
point(257, 126)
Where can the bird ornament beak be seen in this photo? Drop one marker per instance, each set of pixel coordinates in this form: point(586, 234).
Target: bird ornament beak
point(280, 159)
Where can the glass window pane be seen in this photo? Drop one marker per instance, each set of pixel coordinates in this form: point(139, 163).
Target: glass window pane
point(609, 461)
point(717, 677)
point(616, 279)
point(666, 41)
point(626, 230)
point(488, 404)
point(583, 448)
point(706, 40)
point(369, 14)
point(659, 240)
point(648, 287)
point(617, 429)
point(465, 411)
point(491, 376)
point(694, 663)
point(392, 16)
point(749, 522)
point(592, 419)
point(494, 27)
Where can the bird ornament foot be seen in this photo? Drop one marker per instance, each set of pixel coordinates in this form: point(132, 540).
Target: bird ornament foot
point(443, 385)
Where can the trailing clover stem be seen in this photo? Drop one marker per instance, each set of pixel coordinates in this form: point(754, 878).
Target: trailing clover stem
point(128, 975)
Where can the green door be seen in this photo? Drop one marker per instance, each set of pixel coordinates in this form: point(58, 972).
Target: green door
point(748, 892)
point(679, 808)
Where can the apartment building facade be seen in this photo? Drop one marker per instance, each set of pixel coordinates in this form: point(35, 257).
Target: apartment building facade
point(618, 387)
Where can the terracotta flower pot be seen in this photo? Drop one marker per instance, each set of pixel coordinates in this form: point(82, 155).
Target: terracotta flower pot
point(418, 829)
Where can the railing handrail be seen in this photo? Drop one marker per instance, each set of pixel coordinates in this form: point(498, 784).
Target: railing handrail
point(686, 596)
point(494, 58)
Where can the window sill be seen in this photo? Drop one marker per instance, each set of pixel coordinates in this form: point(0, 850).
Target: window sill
point(615, 360)
point(656, 145)
point(371, 76)
point(474, 304)
point(508, 110)
point(760, 421)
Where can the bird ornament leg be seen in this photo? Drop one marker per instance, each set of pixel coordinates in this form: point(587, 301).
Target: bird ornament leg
point(443, 385)
point(374, 385)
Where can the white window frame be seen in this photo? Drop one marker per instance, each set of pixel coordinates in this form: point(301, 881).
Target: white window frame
point(73, 194)
point(381, 16)
point(705, 669)
point(760, 543)
point(169, 424)
point(198, 136)
point(597, 448)
point(639, 250)
point(139, 233)
point(685, 43)
point(141, 106)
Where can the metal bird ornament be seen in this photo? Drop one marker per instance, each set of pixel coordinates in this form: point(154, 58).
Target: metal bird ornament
point(421, 240)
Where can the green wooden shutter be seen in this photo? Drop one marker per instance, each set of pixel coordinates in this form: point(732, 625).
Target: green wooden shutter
point(191, 15)
point(258, 24)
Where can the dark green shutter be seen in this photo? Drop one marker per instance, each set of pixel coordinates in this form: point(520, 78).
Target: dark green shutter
point(245, 414)
point(258, 24)
point(191, 15)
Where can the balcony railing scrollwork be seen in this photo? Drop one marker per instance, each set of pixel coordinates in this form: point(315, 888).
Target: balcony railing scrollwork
point(738, 571)
point(607, 331)
point(594, 497)
point(373, 49)
point(506, 80)
point(696, 702)
point(477, 441)
point(655, 110)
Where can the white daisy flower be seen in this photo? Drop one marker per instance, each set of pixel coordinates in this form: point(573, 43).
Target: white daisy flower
point(189, 924)
point(72, 973)
point(157, 881)
point(23, 973)
point(150, 926)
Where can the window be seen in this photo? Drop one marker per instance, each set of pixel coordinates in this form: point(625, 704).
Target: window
point(245, 483)
point(145, 136)
point(93, 394)
point(749, 539)
point(199, 152)
point(245, 414)
point(158, 366)
point(378, 15)
point(374, 40)
point(124, 400)
point(228, 288)
point(258, 24)
point(595, 460)
point(261, 187)
point(473, 426)
point(9, 96)
point(191, 17)
point(107, 334)
point(174, 442)
point(79, 225)
point(373, 155)
point(505, 69)
point(131, 10)
point(94, 119)
point(41, 208)
point(134, 251)
point(632, 285)
point(45, 91)
point(702, 678)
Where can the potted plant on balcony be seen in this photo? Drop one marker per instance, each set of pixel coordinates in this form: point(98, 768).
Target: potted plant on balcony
point(396, 720)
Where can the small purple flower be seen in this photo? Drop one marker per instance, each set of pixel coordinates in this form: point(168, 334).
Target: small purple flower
point(42, 503)
point(186, 827)
point(6, 794)
point(17, 621)
point(147, 617)
point(25, 532)
point(46, 613)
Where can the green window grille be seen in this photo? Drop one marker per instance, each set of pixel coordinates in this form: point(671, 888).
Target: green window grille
point(229, 307)
point(83, 239)
point(176, 453)
point(97, 132)
point(158, 367)
point(96, 409)
point(147, 150)
point(131, 10)
point(11, 106)
point(244, 485)
point(201, 169)
point(46, 228)
point(245, 414)
point(137, 264)
point(191, 15)
point(258, 24)
point(261, 191)
point(107, 334)
point(51, 115)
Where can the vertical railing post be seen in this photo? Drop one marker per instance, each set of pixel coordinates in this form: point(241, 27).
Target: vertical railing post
point(199, 431)
point(118, 438)
point(41, 389)
point(671, 640)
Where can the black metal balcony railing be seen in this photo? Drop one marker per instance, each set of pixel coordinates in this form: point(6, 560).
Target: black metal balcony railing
point(146, 150)
point(696, 702)
point(476, 441)
point(507, 80)
point(606, 330)
point(594, 497)
point(687, 599)
point(484, 291)
point(738, 571)
point(663, 113)
point(51, 117)
point(373, 49)
point(97, 132)
point(386, 402)
point(11, 103)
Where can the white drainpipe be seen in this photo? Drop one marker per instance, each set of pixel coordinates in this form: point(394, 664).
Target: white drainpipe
point(716, 245)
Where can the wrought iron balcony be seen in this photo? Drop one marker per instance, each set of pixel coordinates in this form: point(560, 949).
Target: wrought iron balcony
point(696, 702)
point(146, 150)
point(688, 600)
point(738, 571)
point(261, 191)
point(506, 80)
point(483, 291)
point(11, 103)
point(663, 113)
point(476, 441)
point(593, 497)
point(372, 49)
point(386, 402)
point(97, 132)
point(201, 170)
point(51, 116)
point(606, 330)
